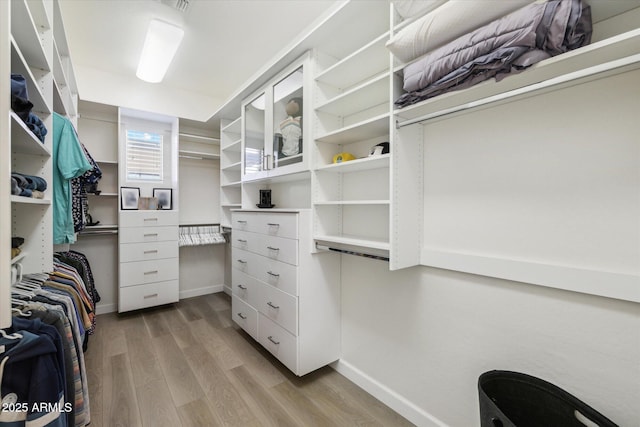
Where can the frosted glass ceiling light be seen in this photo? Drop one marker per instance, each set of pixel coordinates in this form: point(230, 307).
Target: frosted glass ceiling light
point(160, 47)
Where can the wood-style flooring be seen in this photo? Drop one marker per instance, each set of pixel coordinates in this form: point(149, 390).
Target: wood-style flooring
point(187, 364)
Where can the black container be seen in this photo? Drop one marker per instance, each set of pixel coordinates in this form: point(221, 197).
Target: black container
point(512, 399)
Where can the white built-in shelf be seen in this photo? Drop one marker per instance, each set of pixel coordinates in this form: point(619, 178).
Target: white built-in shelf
point(354, 241)
point(613, 55)
point(31, 20)
point(103, 194)
point(366, 163)
point(199, 138)
point(107, 162)
point(231, 205)
point(233, 127)
point(22, 255)
point(366, 129)
point(232, 184)
point(20, 65)
point(352, 202)
point(30, 200)
point(233, 167)
point(59, 105)
point(198, 155)
point(361, 97)
point(24, 141)
point(233, 146)
point(102, 227)
point(289, 160)
point(360, 65)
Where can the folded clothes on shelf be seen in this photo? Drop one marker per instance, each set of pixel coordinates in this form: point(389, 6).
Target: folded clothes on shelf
point(21, 105)
point(27, 185)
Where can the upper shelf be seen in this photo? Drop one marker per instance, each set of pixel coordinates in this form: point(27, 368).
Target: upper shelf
point(360, 131)
point(233, 127)
point(27, 34)
point(198, 155)
point(20, 65)
point(615, 54)
point(366, 163)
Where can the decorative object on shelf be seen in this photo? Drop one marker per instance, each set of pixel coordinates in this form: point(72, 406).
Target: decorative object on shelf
point(265, 199)
point(379, 149)
point(343, 157)
point(165, 198)
point(129, 197)
point(148, 203)
point(290, 136)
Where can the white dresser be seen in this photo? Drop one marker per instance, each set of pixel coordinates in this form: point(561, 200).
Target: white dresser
point(284, 296)
point(148, 255)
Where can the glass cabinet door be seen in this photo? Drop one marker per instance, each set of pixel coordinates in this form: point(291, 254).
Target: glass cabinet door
point(254, 136)
point(287, 120)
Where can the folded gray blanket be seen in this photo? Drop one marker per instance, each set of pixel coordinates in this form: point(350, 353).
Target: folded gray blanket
point(516, 41)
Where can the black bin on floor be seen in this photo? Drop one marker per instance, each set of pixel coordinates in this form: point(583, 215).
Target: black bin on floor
point(512, 399)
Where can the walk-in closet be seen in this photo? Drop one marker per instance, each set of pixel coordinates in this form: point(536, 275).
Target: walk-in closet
point(320, 213)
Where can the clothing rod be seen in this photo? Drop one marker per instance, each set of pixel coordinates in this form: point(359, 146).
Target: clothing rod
point(545, 84)
point(182, 156)
point(348, 252)
point(96, 233)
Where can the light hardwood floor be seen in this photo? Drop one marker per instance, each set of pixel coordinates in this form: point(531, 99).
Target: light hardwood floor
point(188, 364)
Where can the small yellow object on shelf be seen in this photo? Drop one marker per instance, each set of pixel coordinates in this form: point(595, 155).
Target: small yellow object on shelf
point(343, 157)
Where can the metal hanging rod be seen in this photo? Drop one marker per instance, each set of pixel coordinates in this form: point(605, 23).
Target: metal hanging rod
point(349, 252)
point(192, 135)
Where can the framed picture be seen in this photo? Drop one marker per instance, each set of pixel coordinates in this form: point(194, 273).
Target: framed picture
point(129, 197)
point(164, 196)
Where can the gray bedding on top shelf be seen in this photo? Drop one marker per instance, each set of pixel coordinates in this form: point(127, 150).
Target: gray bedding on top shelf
point(509, 44)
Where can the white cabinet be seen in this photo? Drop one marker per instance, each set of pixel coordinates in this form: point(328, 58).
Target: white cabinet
point(148, 259)
point(274, 134)
point(285, 296)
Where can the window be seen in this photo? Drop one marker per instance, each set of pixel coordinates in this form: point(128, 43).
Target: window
point(144, 156)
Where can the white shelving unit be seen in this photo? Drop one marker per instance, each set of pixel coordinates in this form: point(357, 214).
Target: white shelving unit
point(230, 168)
point(34, 45)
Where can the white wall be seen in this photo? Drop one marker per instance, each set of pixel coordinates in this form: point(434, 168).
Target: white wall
point(427, 334)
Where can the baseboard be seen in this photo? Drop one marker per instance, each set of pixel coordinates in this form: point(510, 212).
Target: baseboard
point(106, 308)
point(190, 293)
point(387, 396)
point(227, 290)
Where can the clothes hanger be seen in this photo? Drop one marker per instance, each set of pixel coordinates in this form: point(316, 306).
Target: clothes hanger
point(14, 336)
point(20, 312)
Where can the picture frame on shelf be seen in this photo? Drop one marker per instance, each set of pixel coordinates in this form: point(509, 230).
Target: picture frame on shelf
point(129, 197)
point(165, 198)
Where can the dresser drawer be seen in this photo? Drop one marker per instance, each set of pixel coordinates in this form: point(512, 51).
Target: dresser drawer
point(149, 295)
point(148, 218)
point(140, 272)
point(281, 224)
point(278, 248)
point(148, 234)
point(246, 288)
point(245, 316)
point(279, 342)
point(280, 307)
point(279, 274)
point(148, 251)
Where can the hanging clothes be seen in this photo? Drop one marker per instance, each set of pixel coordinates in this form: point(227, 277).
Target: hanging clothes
point(80, 187)
point(69, 161)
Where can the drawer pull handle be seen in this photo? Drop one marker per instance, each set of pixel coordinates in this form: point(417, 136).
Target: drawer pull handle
point(273, 224)
point(242, 241)
point(270, 304)
point(241, 261)
point(243, 287)
point(151, 272)
point(151, 219)
point(150, 296)
point(242, 316)
point(150, 234)
point(272, 248)
point(272, 274)
point(155, 251)
point(270, 338)
point(241, 222)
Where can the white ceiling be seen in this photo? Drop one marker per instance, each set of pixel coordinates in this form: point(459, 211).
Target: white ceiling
point(226, 42)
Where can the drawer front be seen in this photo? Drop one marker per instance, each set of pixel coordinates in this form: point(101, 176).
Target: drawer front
point(141, 272)
point(281, 224)
point(245, 316)
point(246, 288)
point(275, 273)
point(280, 307)
point(148, 234)
point(278, 248)
point(149, 295)
point(279, 342)
point(148, 218)
point(148, 251)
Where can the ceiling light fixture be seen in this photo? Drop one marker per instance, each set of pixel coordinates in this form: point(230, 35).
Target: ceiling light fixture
point(160, 46)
